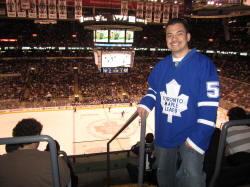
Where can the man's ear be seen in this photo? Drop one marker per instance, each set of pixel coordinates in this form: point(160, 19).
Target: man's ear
point(188, 36)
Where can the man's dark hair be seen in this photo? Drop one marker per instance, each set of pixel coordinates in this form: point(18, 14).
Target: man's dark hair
point(27, 127)
point(181, 21)
point(149, 138)
point(237, 113)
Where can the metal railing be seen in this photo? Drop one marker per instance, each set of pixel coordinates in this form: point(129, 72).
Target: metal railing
point(141, 152)
point(32, 139)
point(222, 144)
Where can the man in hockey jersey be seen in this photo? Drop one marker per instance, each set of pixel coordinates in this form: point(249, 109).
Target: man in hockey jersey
point(184, 89)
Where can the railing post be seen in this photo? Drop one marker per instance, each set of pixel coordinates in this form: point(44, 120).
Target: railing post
point(142, 152)
point(108, 166)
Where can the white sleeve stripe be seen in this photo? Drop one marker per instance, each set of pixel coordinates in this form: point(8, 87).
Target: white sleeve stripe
point(153, 90)
point(195, 147)
point(150, 95)
point(206, 122)
point(143, 106)
point(208, 103)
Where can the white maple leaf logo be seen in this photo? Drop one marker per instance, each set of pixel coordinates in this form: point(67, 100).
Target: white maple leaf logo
point(172, 103)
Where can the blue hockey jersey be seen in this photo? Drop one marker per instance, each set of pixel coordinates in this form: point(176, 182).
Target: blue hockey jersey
point(186, 99)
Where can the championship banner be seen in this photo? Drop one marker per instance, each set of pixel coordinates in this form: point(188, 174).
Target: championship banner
point(62, 9)
point(149, 8)
point(165, 17)
point(235, 1)
point(139, 10)
point(25, 4)
point(78, 9)
point(157, 13)
point(32, 11)
point(20, 12)
point(42, 9)
point(187, 7)
point(52, 9)
point(124, 8)
point(175, 11)
point(11, 8)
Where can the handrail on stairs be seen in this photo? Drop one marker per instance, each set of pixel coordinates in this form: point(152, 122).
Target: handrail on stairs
point(141, 152)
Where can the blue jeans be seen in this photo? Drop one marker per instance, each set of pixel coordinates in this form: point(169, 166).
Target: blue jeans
point(189, 174)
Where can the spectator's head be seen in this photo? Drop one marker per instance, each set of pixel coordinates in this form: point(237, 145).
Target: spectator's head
point(27, 127)
point(177, 37)
point(237, 113)
point(149, 138)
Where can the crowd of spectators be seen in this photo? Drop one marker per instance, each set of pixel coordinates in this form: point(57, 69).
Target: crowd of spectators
point(234, 67)
point(96, 87)
point(52, 77)
point(33, 80)
point(12, 84)
point(54, 82)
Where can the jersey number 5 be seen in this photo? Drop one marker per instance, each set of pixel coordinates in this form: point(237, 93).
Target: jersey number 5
point(213, 89)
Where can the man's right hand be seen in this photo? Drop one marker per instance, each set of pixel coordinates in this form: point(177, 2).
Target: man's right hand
point(142, 112)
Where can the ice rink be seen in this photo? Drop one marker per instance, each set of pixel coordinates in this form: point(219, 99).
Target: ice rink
point(84, 131)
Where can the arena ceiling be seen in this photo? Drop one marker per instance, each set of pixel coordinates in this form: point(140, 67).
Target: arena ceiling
point(200, 8)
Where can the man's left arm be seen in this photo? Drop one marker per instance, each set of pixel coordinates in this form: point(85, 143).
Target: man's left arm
point(207, 105)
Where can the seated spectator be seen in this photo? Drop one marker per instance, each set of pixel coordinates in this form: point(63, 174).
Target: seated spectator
point(238, 133)
point(149, 167)
point(236, 161)
point(28, 166)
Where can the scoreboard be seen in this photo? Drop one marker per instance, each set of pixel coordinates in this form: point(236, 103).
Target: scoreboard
point(114, 61)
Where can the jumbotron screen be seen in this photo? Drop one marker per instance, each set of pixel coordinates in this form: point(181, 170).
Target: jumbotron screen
point(113, 36)
point(101, 36)
point(117, 36)
point(116, 59)
point(109, 60)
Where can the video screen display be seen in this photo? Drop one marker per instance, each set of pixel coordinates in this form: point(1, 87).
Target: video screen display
point(101, 36)
point(114, 61)
point(129, 36)
point(117, 58)
point(117, 36)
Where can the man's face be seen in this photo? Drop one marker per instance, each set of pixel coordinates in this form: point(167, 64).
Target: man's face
point(177, 39)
